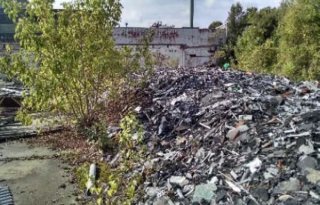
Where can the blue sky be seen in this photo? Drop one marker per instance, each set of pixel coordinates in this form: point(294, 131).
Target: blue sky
point(143, 13)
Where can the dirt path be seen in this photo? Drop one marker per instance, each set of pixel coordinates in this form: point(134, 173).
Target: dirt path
point(34, 175)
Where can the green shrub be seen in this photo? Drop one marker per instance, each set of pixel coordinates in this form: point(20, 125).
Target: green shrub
point(220, 57)
point(299, 40)
point(119, 184)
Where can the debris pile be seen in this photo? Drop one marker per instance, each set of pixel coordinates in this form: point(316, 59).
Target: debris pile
point(229, 137)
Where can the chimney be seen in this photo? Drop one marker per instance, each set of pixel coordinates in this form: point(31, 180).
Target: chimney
point(191, 12)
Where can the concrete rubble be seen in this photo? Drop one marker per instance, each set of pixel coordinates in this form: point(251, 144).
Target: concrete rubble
point(230, 137)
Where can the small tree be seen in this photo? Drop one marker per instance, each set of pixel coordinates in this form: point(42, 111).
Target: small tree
point(236, 24)
point(68, 58)
point(256, 49)
point(214, 25)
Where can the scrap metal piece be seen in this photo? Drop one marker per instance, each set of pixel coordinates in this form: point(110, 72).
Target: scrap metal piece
point(6, 197)
point(91, 179)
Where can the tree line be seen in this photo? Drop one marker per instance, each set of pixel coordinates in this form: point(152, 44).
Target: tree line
point(283, 40)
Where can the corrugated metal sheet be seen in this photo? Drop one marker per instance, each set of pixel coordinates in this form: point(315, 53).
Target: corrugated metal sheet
point(5, 196)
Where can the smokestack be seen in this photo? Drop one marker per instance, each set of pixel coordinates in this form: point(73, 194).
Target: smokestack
point(191, 12)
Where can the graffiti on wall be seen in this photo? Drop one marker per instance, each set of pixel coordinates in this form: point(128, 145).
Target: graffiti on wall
point(162, 34)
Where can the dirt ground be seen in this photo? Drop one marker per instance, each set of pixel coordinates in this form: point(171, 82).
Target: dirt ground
point(35, 175)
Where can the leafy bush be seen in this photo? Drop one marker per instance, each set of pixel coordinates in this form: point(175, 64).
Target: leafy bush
point(68, 59)
point(299, 40)
point(256, 49)
point(260, 58)
point(118, 184)
point(220, 57)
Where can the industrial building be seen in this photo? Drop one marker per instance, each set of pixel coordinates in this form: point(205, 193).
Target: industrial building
point(186, 47)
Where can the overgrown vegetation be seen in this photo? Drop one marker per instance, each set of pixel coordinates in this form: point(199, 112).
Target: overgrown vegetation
point(283, 40)
point(255, 49)
point(215, 25)
point(68, 59)
point(299, 40)
point(118, 184)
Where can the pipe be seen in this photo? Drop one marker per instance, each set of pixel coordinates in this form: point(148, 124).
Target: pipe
point(91, 179)
point(191, 12)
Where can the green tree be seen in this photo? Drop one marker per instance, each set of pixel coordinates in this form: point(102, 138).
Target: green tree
point(299, 38)
point(256, 49)
point(236, 24)
point(68, 58)
point(214, 25)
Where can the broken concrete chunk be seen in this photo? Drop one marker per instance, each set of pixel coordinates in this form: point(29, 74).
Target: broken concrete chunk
point(204, 192)
point(153, 191)
point(267, 175)
point(178, 180)
point(245, 117)
point(306, 149)
point(138, 109)
point(200, 154)
point(211, 98)
point(254, 165)
point(189, 176)
point(187, 189)
point(293, 184)
point(261, 193)
point(285, 197)
point(307, 162)
point(313, 175)
point(163, 201)
point(214, 180)
point(243, 128)
point(180, 194)
point(270, 173)
point(233, 133)
point(314, 195)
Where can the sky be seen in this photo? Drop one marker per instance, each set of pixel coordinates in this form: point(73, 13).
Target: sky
point(143, 13)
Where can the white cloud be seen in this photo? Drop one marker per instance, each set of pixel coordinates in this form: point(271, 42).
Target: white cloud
point(144, 13)
point(210, 2)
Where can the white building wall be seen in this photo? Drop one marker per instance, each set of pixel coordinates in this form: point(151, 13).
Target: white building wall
point(186, 47)
point(181, 36)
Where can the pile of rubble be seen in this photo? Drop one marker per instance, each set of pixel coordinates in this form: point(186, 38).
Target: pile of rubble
point(229, 137)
